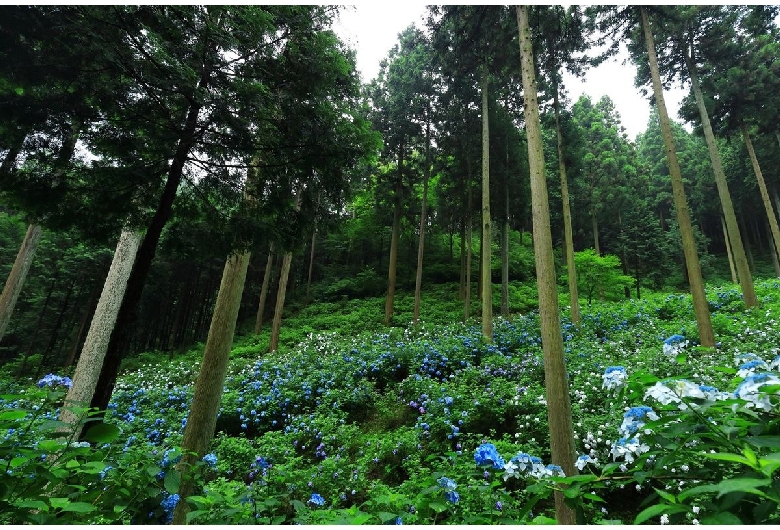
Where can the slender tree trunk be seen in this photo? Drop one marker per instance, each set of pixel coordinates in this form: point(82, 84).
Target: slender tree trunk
point(88, 368)
point(264, 289)
point(701, 309)
point(469, 243)
point(462, 259)
point(595, 227)
point(728, 251)
point(773, 253)
point(55, 330)
point(770, 213)
point(731, 228)
point(746, 240)
point(37, 327)
point(391, 269)
point(487, 284)
point(556, 385)
point(277, 322)
point(122, 334)
point(15, 281)
point(574, 297)
point(505, 247)
point(311, 266)
point(202, 418)
point(423, 221)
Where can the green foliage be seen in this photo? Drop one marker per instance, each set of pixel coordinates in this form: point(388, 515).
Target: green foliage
point(599, 275)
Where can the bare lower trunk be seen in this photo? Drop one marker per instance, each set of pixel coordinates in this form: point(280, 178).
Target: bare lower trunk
point(770, 213)
point(202, 418)
point(738, 259)
point(423, 224)
point(311, 266)
point(264, 290)
point(773, 254)
point(568, 237)
point(486, 280)
point(391, 268)
point(96, 344)
point(556, 386)
point(469, 242)
point(728, 251)
point(15, 281)
point(700, 306)
point(277, 323)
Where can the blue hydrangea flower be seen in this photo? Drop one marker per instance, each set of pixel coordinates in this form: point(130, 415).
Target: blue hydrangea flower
point(582, 461)
point(751, 367)
point(452, 496)
point(614, 377)
point(674, 344)
point(52, 380)
point(317, 500)
point(634, 419)
point(487, 454)
point(749, 390)
point(210, 459)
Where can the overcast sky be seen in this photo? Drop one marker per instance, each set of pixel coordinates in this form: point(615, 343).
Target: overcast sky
point(373, 28)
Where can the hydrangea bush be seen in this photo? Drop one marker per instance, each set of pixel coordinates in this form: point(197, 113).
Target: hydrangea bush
point(430, 425)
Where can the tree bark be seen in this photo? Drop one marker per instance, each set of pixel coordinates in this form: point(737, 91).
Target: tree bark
point(487, 284)
point(595, 227)
point(15, 281)
point(423, 221)
point(311, 266)
point(122, 334)
point(391, 268)
point(556, 384)
point(96, 344)
point(737, 256)
point(469, 243)
point(773, 253)
point(264, 289)
point(462, 290)
point(505, 247)
point(746, 240)
point(574, 297)
point(770, 213)
point(729, 254)
point(202, 418)
point(277, 322)
point(700, 307)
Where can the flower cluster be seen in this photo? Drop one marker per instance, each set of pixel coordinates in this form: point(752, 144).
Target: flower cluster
point(584, 460)
point(628, 448)
point(674, 345)
point(749, 390)
point(449, 486)
point(634, 419)
point(316, 500)
point(52, 381)
point(487, 454)
point(614, 377)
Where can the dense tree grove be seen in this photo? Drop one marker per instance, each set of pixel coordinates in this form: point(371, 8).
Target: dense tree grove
point(235, 167)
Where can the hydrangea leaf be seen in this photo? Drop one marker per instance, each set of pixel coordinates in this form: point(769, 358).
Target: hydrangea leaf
point(102, 433)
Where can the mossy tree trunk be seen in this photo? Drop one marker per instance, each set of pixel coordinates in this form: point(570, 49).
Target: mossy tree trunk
point(486, 281)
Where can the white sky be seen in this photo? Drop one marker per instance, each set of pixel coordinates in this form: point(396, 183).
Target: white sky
point(373, 28)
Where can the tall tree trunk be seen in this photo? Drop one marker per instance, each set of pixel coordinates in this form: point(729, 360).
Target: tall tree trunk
point(202, 418)
point(595, 227)
point(773, 253)
point(96, 344)
point(746, 240)
point(311, 266)
point(556, 385)
point(486, 280)
point(700, 307)
point(55, 330)
point(505, 246)
point(264, 289)
point(770, 213)
point(15, 281)
point(423, 221)
point(391, 268)
point(736, 248)
point(469, 243)
point(122, 334)
point(37, 327)
point(574, 297)
point(730, 255)
point(277, 322)
point(462, 259)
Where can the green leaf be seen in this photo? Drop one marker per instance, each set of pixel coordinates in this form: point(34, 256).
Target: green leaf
point(172, 481)
point(72, 464)
point(728, 457)
point(361, 518)
point(386, 516)
point(659, 509)
point(668, 497)
point(102, 433)
point(739, 485)
point(18, 461)
point(610, 521)
point(32, 504)
point(19, 91)
point(11, 415)
point(79, 507)
point(763, 441)
point(438, 506)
